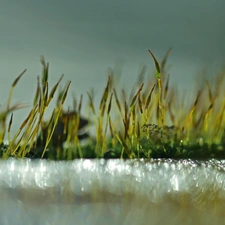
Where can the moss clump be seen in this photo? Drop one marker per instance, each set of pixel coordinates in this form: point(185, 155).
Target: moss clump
point(154, 122)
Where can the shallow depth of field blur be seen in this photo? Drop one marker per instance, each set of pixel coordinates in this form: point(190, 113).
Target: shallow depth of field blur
point(83, 39)
point(86, 40)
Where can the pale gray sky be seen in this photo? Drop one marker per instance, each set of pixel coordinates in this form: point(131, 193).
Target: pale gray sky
point(83, 38)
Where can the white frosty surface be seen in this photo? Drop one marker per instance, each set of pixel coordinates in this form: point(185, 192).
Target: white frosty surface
point(112, 192)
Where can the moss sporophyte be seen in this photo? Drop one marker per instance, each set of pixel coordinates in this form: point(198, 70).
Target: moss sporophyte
point(154, 120)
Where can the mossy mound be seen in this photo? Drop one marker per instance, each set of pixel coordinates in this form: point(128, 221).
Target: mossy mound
point(154, 122)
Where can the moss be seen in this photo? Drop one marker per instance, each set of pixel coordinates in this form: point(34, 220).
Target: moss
point(125, 127)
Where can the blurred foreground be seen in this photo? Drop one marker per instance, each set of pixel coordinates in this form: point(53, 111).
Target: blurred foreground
point(112, 191)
